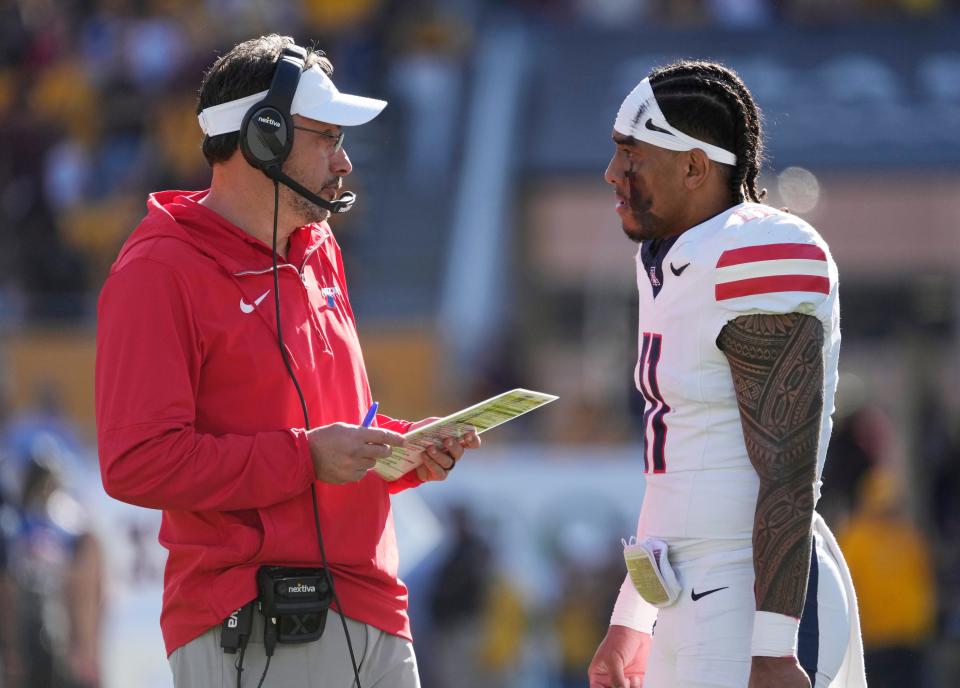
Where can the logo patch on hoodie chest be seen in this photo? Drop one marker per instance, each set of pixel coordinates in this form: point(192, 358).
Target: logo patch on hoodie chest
point(330, 294)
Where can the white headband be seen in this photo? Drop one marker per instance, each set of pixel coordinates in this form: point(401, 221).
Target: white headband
point(316, 98)
point(641, 118)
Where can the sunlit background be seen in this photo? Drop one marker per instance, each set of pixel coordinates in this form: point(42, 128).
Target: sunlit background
point(484, 254)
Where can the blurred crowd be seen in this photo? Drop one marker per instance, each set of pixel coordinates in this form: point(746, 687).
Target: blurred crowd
point(97, 102)
point(52, 578)
point(736, 13)
point(897, 519)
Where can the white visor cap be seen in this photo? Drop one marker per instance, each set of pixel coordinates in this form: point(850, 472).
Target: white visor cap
point(316, 98)
point(641, 118)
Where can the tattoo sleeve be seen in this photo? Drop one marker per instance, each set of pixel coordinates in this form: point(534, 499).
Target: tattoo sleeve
point(777, 366)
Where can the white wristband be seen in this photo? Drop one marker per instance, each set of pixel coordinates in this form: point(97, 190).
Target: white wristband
point(774, 635)
point(633, 611)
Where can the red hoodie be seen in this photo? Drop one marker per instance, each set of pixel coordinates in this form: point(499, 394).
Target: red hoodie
point(196, 415)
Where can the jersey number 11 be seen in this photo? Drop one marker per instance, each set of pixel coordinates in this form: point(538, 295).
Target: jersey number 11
point(655, 408)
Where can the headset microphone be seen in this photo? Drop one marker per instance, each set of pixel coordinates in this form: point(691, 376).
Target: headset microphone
point(341, 205)
point(266, 133)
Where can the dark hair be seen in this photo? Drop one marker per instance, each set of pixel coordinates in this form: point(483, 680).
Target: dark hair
point(709, 101)
point(247, 69)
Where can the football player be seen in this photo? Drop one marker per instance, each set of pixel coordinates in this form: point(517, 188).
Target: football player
point(738, 345)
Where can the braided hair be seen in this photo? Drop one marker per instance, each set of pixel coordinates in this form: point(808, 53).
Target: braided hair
point(709, 101)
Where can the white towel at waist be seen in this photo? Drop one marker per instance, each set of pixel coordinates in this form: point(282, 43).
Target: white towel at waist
point(852, 672)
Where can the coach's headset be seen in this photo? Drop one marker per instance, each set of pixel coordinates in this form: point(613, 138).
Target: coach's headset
point(266, 138)
point(266, 133)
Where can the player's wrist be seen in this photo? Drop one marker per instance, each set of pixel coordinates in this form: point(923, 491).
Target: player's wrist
point(625, 631)
point(774, 635)
point(629, 641)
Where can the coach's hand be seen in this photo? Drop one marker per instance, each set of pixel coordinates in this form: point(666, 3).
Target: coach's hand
point(343, 453)
point(777, 672)
point(440, 459)
point(621, 659)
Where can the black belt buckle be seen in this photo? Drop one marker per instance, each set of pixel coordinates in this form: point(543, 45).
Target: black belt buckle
point(294, 601)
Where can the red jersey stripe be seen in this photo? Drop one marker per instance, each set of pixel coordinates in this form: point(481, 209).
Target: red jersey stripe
point(751, 254)
point(771, 285)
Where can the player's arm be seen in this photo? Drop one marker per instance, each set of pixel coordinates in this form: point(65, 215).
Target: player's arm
point(621, 659)
point(777, 367)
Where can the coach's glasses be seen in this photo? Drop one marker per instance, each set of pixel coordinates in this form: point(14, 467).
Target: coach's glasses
point(337, 138)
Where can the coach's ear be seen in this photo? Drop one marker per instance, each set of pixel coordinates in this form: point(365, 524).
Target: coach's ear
point(696, 168)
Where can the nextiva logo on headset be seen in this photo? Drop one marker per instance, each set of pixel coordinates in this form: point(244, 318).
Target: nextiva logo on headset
point(266, 133)
point(265, 120)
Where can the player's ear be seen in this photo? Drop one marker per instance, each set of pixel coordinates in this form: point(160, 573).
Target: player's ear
point(696, 168)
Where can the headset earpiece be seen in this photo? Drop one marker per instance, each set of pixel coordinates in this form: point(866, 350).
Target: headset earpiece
point(266, 134)
point(265, 138)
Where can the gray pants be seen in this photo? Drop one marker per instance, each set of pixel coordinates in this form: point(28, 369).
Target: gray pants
point(385, 661)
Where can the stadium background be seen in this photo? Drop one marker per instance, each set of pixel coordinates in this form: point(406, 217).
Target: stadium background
point(484, 254)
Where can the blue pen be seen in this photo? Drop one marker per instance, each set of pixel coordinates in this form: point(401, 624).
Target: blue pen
point(371, 414)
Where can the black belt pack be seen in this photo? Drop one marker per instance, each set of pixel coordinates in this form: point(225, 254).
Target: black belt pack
point(294, 602)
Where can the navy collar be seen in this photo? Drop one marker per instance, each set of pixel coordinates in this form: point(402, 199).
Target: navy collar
point(652, 253)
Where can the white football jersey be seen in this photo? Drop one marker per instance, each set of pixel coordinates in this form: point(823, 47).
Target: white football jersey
point(749, 259)
point(700, 483)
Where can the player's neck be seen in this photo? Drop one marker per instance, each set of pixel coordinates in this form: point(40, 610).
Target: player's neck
point(704, 207)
